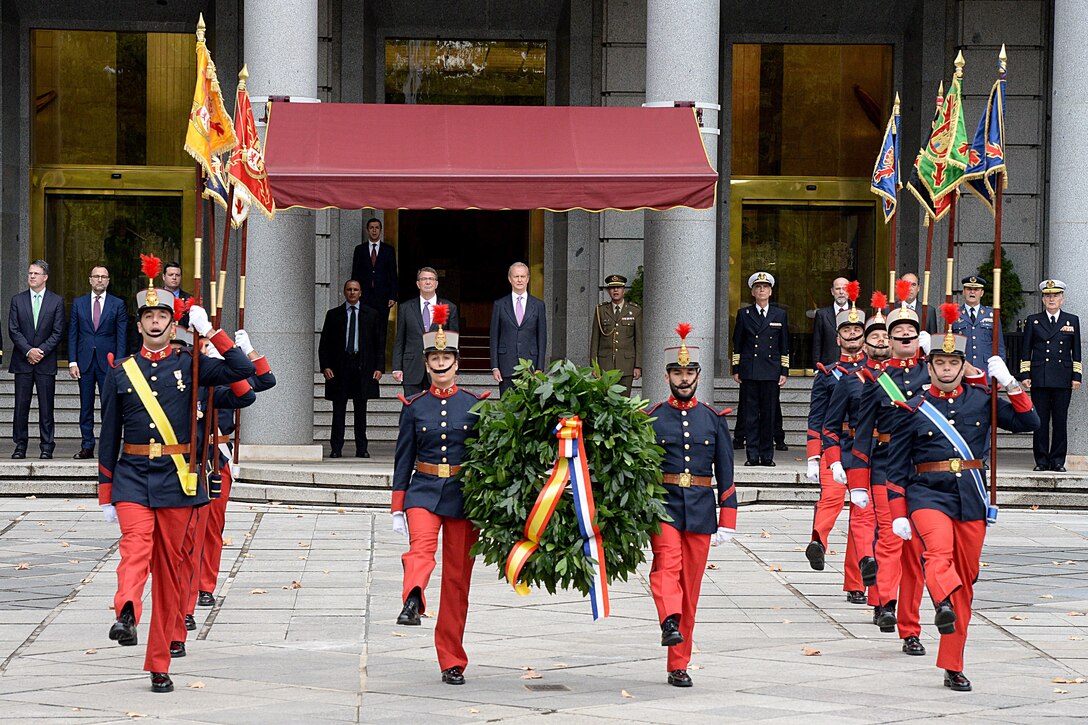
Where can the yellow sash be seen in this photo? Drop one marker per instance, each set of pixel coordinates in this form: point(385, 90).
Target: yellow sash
point(162, 423)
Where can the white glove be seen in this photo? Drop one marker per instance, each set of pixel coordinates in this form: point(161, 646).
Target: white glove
point(813, 474)
point(234, 468)
point(400, 523)
point(198, 320)
point(722, 536)
point(901, 528)
point(999, 371)
point(924, 341)
point(211, 351)
point(838, 472)
point(241, 339)
point(859, 497)
point(109, 513)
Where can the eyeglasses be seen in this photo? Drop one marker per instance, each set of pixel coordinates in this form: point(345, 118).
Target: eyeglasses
point(100, 276)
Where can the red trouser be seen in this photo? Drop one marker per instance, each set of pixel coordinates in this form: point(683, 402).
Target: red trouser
point(862, 526)
point(151, 542)
point(675, 579)
point(213, 539)
point(899, 573)
point(458, 536)
point(187, 569)
point(952, 550)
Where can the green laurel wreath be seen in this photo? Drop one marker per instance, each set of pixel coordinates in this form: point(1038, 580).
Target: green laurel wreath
point(513, 455)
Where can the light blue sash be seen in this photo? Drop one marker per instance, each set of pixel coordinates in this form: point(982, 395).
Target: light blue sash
point(963, 449)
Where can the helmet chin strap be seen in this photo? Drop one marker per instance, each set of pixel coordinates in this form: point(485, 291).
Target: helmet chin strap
point(436, 371)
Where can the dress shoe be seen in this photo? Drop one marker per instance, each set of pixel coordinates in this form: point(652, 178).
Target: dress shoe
point(123, 630)
point(945, 618)
point(190, 623)
point(753, 462)
point(913, 646)
point(680, 678)
point(957, 681)
point(205, 599)
point(46, 456)
point(1040, 467)
point(177, 649)
point(855, 597)
point(161, 682)
point(336, 454)
point(781, 447)
point(815, 555)
point(84, 453)
point(887, 621)
point(670, 632)
point(769, 462)
point(867, 565)
point(18, 454)
point(453, 676)
point(362, 454)
point(409, 616)
point(1058, 469)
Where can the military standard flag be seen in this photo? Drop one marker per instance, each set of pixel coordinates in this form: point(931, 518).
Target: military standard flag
point(935, 211)
point(987, 153)
point(215, 187)
point(210, 131)
point(885, 182)
point(246, 169)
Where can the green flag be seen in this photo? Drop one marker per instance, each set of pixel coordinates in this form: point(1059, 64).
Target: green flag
point(943, 161)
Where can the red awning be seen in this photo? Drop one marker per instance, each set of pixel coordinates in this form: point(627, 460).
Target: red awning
point(355, 156)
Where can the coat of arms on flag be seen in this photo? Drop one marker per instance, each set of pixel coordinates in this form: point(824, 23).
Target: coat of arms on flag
point(210, 130)
point(246, 169)
point(885, 182)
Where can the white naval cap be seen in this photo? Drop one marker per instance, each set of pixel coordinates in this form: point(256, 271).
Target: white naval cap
point(764, 277)
point(1051, 285)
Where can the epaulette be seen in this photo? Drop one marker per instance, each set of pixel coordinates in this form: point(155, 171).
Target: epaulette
point(719, 413)
point(822, 369)
point(409, 401)
point(650, 411)
point(867, 375)
point(118, 363)
point(910, 405)
point(841, 369)
point(478, 396)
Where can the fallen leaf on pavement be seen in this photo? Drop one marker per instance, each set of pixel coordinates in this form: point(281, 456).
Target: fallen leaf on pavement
point(65, 544)
point(1046, 596)
point(31, 497)
point(810, 652)
point(398, 634)
point(1017, 618)
point(787, 621)
point(561, 665)
point(22, 566)
point(325, 571)
point(474, 711)
point(764, 534)
point(134, 714)
point(984, 564)
point(626, 694)
point(712, 567)
point(1076, 614)
point(1035, 507)
point(1060, 691)
point(259, 591)
point(86, 580)
point(198, 685)
point(774, 568)
point(532, 674)
point(695, 667)
point(303, 558)
point(832, 551)
point(227, 541)
point(90, 652)
point(275, 503)
point(1075, 638)
point(73, 561)
point(429, 614)
point(296, 584)
point(304, 545)
point(341, 511)
point(1067, 681)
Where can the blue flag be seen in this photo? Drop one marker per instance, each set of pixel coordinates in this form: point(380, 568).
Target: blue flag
point(987, 153)
point(886, 182)
point(214, 187)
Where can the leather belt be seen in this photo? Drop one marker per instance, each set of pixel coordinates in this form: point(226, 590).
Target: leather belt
point(686, 480)
point(883, 437)
point(952, 465)
point(155, 450)
point(442, 470)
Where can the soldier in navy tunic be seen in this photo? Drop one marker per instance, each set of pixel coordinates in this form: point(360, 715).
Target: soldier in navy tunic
point(434, 426)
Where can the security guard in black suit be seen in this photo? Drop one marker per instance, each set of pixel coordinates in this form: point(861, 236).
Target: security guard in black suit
point(976, 323)
point(761, 362)
point(615, 340)
point(1050, 368)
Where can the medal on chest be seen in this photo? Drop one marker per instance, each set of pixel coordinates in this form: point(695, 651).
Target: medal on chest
point(181, 383)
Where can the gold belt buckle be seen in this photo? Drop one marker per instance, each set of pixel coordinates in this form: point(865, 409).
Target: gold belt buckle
point(684, 481)
point(443, 470)
point(955, 465)
point(154, 450)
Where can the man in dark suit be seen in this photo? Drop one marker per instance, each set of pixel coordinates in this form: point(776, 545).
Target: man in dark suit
point(35, 325)
point(519, 328)
point(414, 318)
point(914, 304)
point(1050, 367)
point(171, 279)
point(96, 328)
point(374, 265)
point(825, 344)
point(761, 362)
point(348, 353)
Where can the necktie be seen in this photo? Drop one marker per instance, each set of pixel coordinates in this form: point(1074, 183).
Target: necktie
point(763, 313)
point(519, 311)
point(972, 315)
point(96, 311)
point(426, 316)
point(373, 255)
point(351, 330)
point(1053, 319)
point(37, 307)
point(616, 310)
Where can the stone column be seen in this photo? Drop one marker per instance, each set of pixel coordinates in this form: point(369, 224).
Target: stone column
point(281, 52)
point(682, 64)
point(1068, 202)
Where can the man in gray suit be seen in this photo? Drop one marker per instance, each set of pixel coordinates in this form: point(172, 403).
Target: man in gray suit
point(414, 317)
point(519, 328)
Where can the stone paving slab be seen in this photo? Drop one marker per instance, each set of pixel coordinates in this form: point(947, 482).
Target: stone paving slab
point(303, 632)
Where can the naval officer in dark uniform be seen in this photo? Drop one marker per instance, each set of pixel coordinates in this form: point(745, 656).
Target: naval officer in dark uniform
point(144, 481)
point(976, 324)
point(700, 499)
point(1050, 368)
point(615, 338)
point(427, 497)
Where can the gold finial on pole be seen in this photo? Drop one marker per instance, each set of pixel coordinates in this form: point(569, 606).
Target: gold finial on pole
point(895, 108)
point(1002, 55)
point(940, 91)
point(960, 63)
point(242, 75)
point(200, 28)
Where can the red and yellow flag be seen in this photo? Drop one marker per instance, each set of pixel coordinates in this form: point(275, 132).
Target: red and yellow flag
point(246, 167)
point(210, 131)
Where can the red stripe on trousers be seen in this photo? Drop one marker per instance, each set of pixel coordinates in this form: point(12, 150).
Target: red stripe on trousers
point(899, 573)
point(675, 579)
point(458, 536)
point(951, 563)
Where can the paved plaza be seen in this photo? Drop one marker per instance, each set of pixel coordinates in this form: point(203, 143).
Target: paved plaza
point(303, 633)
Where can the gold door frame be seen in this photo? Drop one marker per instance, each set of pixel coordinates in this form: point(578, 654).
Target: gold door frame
point(798, 191)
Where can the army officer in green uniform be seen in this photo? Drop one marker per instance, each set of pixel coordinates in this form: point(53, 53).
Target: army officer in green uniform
point(616, 338)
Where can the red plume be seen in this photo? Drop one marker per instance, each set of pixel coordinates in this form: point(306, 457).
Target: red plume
point(879, 301)
point(151, 265)
point(902, 289)
point(181, 307)
point(950, 311)
point(683, 329)
point(853, 290)
point(441, 314)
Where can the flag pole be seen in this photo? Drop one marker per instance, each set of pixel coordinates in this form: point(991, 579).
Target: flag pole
point(959, 62)
point(194, 448)
point(930, 222)
point(892, 233)
point(998, 195)
point(241, 322)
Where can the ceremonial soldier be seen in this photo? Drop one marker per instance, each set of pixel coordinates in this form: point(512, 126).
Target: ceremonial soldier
point(761, 362)
point(976, 323)
point(434, 425)
point(1050, 368)
point(144, 481)
point(615, 340)
point(698, 454)
point(851, 334)
point(936, 478)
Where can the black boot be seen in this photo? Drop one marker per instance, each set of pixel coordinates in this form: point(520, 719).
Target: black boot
point(945, 619)
point(815, 555)
point(680, 678)
point(855, 597)
point(670, 631)
point(161, 682)
point(957, 681)
point(887, 621)
point(409, 615)
point(868, 570)
point(123, 630)
point(205, 599)
point(177, 649)
point(877, 611)
point(913, 646)
point(453, 676)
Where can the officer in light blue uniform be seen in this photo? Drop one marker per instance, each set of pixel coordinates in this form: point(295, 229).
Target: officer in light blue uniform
point(976, 323)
